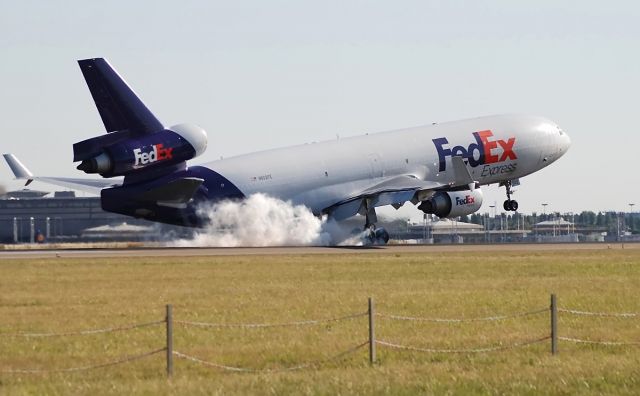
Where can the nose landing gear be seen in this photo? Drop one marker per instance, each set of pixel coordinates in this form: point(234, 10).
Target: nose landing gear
point(510, 204)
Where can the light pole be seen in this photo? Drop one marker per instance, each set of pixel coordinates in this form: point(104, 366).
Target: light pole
point(486, 227)
point(544, 211)
point(494, 219)
point(573, 222)
point(569, 225)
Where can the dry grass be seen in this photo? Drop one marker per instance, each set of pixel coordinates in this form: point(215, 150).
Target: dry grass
point(41, 295)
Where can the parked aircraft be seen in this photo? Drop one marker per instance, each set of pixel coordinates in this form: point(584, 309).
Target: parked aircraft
point(438, 167)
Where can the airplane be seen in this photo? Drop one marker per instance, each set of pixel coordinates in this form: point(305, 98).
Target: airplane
point(439, 167)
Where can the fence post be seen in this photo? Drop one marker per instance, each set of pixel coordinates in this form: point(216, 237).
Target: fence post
point(554, 324)
point(372, 332)
point(169, 320)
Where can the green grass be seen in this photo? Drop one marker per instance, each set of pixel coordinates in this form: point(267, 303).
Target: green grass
point(57, 295)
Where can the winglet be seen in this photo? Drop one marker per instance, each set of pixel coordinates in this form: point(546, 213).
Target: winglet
point(461, 173)
point(19, 170)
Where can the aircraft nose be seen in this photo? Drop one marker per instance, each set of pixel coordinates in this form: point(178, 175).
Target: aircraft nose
point(564, 140)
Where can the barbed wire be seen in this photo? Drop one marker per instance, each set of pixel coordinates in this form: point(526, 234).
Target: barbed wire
point(85, 332)
point(461, 320)
point(609, 343)
point(125, 359)
point(471, 350)
point(265, 325)
point(603, 314)
point(271, 370)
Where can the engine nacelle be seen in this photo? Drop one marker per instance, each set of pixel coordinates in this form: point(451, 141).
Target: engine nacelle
point(120, 153)
point(453, 203)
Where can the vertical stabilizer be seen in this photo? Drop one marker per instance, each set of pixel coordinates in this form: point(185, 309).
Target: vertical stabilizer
point(119, 107)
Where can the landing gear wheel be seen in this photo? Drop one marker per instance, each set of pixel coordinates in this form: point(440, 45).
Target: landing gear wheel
point(382, 236)
point(373, 235)
point(369, 234)
point(510, 205)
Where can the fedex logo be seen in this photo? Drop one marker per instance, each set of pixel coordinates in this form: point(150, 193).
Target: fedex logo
point(483, 151)
point(158, 153)
point(468, 200)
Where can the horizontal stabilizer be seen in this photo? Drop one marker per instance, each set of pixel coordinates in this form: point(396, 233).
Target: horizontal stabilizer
point(176, 192)
point(92, 186)
point(19, 170)
point(119, 107)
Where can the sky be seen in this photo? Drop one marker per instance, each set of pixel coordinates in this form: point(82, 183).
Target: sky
point(259, 75)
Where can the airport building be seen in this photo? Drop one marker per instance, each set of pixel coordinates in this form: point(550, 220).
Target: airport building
point(28, 216)
point(558, 230)
point(434, 230)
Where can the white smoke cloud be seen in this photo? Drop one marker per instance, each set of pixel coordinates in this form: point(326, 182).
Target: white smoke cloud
point(342, 234)
point(259, 220)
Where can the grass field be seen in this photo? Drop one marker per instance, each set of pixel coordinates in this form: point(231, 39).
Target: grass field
point(62, 294)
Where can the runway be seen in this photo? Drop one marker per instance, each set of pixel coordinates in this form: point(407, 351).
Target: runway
point(299, 250)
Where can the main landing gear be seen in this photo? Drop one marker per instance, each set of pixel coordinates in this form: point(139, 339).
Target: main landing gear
point(373, 235)
point(509, 204)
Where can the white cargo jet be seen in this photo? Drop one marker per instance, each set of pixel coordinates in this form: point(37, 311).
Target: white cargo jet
point(438, 167)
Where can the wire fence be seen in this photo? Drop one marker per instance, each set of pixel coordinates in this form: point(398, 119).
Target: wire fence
point(601, 314)
point(122, 360)
point(609, 343)
point(269, 325)
point(467, 350)
point(300, 366)
point(464, 320)
point(372, 342)
point(85, 332)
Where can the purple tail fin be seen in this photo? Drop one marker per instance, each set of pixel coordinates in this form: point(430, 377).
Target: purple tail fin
point(119, 107)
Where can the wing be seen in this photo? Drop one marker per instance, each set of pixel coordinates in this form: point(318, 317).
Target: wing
point(397, 190)
point(93, 186)
point(394, 191)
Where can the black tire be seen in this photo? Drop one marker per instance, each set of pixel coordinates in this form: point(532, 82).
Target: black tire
point(514, 205)
point(382, 236)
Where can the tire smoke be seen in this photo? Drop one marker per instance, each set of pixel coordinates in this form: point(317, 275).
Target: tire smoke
point(258, 220)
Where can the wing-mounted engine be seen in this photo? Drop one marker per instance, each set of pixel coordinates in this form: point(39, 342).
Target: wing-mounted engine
point(452, 203)
point(123, 153)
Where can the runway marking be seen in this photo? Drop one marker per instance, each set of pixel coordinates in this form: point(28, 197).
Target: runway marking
point(389, 249)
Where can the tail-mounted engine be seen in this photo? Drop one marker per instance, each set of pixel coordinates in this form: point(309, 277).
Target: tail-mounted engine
point(122, 153)
point(137, 143)
point(452, 203)
point(157, 184)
